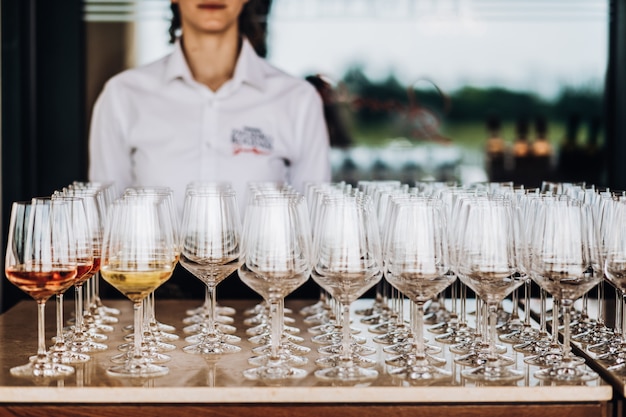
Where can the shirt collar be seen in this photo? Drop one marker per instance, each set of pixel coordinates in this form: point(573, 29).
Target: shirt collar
point(247, 70)
point(176, 66)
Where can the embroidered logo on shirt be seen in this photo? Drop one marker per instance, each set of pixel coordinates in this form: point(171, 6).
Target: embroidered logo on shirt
point(252, 140)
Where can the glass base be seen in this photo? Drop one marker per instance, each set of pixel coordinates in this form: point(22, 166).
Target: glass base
point(551, 358)
point(217, 338)
point(199, 327)
point(566, 372)
point(138, 369)
point(291, 348)
point(614, 357)
point(608, 346)
point(493, 371)
point(265, 339)
point(618, 369)
point(42, 366)
point(274, 371)
point(525, 335)
point(480, 358)
point(292, 360)
point(409, 359)
point(420, 371)
point(207, 348)
point(312, 309)
point(61, 354)
point(153, 357)
point(220, 310)
point(409, 347)
point(347, 372)
point(335, 360)
point(534, 347)
point(356, 348)
point(460, 335)
point(85, 345)
point(392, 338)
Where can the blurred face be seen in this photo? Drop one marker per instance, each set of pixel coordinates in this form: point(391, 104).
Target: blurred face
point(209, 16)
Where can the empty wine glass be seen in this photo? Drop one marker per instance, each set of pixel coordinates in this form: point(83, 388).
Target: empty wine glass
point(138, 255)
point(487, 262)
point(211, 250)
point(41, 261)
point(66, 349)
point(277, 251)
point(347, 262)
point(417, 263)
point(565, 262)
point(615, 271)
point(96, 319)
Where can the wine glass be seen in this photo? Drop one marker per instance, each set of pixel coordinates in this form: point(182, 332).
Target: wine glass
point(487, 263)
point(210, 250)
point(41, 261)
point(347, 261)
point(96, 197)
point(565, 262)
point(96, 318)
point(159, 333)
point(417, 263)
point(277, 252)
point(66, 349)
point(138, 255)
point(615, 270)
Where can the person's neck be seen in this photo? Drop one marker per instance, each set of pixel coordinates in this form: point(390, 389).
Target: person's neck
point(212, 59)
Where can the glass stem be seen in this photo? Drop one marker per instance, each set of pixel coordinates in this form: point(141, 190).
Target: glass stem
point(345, 340)
point(463, 302)
point(527, 290)
point(96, 290)
point(619, 310)
point(600, 298)
point(210, 298)
point(88, 293)
point(567, 305)
point(41, 329)
point(418, 329)
point(151, 312)
point(78, 307)
point(276, 311)
point(479, 321)
point(454, 313)
point(138, 316)
point(400, 309)
point(492, 309)
point(515, 305)
point(556, 304)
point(543, 323)
point(59, 304)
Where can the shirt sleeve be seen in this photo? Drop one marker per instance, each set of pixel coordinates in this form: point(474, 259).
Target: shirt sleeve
point(313, 161)
point(109, 154)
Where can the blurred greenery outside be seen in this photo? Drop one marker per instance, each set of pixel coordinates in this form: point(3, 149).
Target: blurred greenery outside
point(377, 112)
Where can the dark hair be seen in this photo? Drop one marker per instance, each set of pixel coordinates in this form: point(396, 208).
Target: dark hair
point(252, 23)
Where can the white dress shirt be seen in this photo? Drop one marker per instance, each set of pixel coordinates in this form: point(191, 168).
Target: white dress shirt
point(156, 126)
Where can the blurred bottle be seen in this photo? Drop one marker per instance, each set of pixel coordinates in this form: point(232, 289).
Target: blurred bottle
point(541, 154)
point(522, 157)
point(593, 153)
point(495, 151)
point(571, 158)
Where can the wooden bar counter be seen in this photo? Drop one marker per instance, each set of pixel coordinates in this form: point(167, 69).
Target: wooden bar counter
point(199, 386)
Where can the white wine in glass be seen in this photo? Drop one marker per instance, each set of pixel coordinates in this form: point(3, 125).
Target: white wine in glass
point(138, 255)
